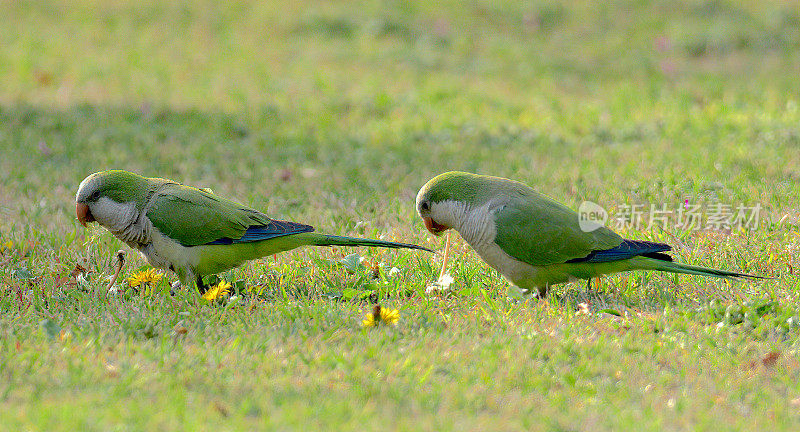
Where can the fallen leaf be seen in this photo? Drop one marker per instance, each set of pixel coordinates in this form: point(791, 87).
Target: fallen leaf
point(77, 271)
point(770, 358)
point(43, 78)
point(285, 174)
point(64, 281)
point(221, 409)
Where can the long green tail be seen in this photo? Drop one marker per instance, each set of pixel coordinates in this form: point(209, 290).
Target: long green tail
point(332, 240)
point(675, 267)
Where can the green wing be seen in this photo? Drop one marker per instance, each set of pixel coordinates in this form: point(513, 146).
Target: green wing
point(537, 230)
point(195, 217)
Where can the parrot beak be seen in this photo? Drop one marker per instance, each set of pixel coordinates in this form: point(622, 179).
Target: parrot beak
point(434, 227)
point(84, 215)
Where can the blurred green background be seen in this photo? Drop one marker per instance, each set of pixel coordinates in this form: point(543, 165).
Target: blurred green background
point(359, 103)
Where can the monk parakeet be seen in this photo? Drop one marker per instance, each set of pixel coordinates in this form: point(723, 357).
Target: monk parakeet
point(191, 231)
point(531, 239)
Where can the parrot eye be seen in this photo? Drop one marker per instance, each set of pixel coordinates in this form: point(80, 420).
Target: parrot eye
point(425, 206)
point(94, 196)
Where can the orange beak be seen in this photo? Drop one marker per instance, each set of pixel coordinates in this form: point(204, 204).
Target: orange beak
point(434, 227)
point(84, 215)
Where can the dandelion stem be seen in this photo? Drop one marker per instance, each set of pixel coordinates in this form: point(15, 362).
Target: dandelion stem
point(446, 256)
point(120, 263)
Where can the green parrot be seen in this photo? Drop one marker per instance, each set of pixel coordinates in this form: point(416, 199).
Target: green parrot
point(532, 240)
point(191, 231)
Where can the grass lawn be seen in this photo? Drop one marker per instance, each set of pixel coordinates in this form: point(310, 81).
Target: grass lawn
point(334, 114)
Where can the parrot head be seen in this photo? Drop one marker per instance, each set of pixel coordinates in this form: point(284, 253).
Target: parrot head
point(445, 200)
point(106, 196)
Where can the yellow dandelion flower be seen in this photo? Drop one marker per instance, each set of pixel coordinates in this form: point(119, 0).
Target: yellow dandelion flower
point(135, 280)
point(390, 316)
point(369, 320)
point(380, 315)
point(149, 276)
point(219, 290)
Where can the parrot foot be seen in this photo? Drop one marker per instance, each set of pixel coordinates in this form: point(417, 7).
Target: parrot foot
point(201, 286)
point(541, 292)
point(589, 291)
point(174, 287)
point(518, 293)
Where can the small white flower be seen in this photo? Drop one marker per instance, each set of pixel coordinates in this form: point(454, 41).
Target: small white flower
point(441, 286)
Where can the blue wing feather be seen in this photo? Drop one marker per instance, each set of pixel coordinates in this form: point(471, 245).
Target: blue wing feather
point(627, 249)
point(275, 228)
